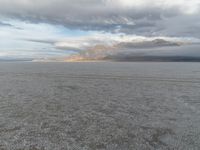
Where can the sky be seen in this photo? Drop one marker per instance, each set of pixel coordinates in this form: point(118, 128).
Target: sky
point(43, 29)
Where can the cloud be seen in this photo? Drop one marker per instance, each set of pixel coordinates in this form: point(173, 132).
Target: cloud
point(100, 46)
point(165, 53)
point(14, 42)
point(108, 26)
point(5, 24)
point(130, 41)
point(141, 17)
point(184, 53)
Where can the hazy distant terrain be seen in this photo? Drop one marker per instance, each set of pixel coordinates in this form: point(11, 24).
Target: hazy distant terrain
point(99, 106)
point(128, 58)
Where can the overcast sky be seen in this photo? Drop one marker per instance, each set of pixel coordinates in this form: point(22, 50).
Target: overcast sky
point(56, 28)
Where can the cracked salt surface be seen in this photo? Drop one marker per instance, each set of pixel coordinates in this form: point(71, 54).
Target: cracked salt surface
point(99, 106)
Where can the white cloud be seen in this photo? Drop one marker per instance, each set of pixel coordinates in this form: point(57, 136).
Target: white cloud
point(186, 6)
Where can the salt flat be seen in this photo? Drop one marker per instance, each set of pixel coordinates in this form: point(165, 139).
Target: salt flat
point(99, 106)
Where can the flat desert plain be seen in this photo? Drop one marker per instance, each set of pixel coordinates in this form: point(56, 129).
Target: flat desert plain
point(99, 106)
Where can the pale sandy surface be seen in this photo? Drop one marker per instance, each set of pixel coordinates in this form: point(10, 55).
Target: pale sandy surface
point(99, 106)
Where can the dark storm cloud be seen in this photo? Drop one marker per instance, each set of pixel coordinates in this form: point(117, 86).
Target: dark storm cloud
point(144, 17)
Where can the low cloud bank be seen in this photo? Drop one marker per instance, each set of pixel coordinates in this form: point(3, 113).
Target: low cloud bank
point(117, 47)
